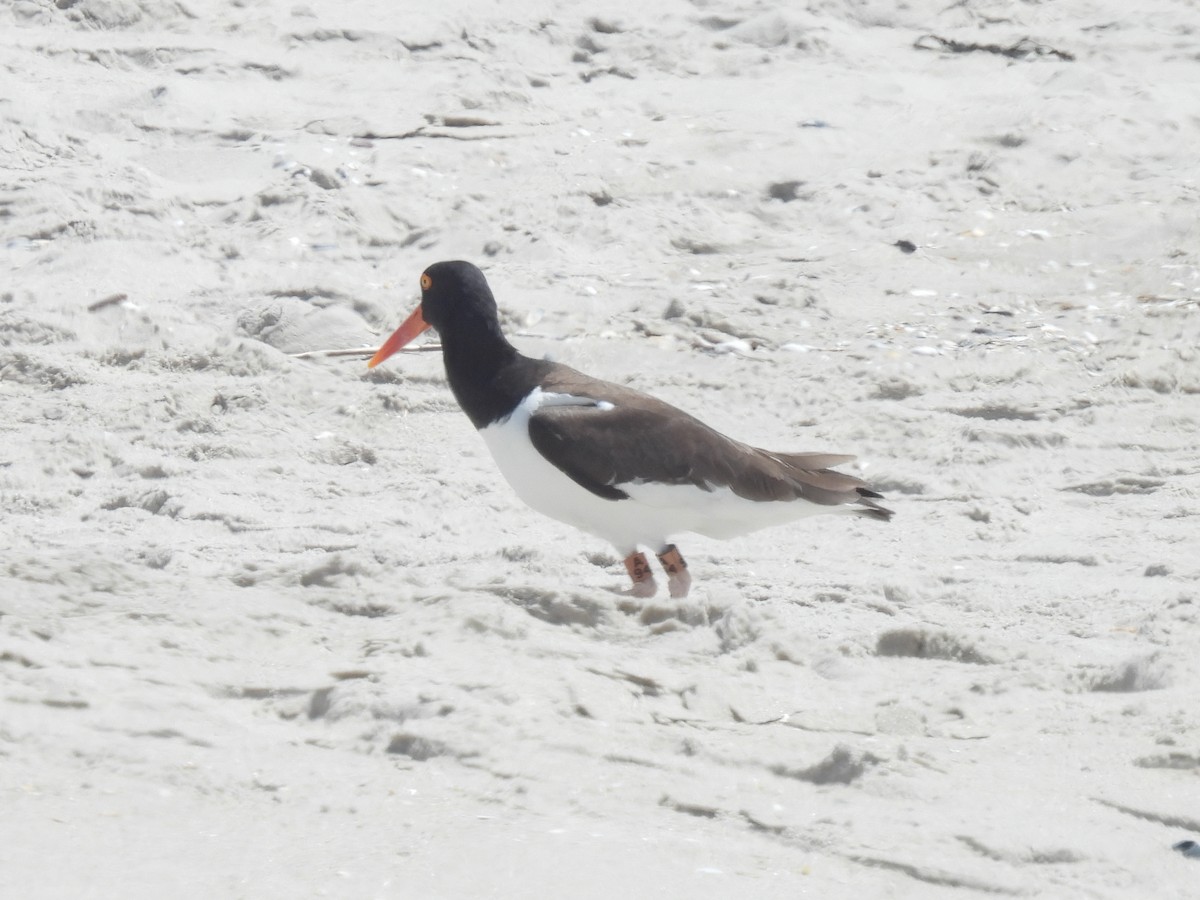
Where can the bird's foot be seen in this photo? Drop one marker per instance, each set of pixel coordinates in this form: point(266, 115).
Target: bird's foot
point(643, 590)
point(641, 575)
point(679, 585)
point(679, 582)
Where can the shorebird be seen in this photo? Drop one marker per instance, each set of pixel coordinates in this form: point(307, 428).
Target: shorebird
point(607, 459)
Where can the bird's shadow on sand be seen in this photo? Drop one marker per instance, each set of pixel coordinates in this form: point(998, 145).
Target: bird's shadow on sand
point(554, 607)
point(605, 608)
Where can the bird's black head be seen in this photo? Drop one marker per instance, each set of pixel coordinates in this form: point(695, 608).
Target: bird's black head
point(456, 300)
point(455, 296)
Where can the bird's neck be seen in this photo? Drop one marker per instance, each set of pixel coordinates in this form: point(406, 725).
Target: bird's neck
point(484, 371)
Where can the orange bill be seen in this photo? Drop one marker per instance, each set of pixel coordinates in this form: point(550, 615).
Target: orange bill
point(413, 326)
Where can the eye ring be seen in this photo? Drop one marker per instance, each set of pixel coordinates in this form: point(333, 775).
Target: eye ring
point(426, 282)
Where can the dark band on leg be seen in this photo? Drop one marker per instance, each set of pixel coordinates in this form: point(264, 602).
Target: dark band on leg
point(672, 561)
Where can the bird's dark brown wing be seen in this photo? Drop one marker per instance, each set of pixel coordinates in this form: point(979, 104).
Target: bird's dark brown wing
point(612, 435)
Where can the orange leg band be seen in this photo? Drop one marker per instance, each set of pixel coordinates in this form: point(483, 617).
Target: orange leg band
point(672, 561)
point(679, 582)
point(638, 568)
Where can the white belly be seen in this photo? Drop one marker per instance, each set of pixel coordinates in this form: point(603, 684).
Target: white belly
point(653, 514)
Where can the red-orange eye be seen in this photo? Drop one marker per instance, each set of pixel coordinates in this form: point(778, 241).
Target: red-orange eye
point(426, 282)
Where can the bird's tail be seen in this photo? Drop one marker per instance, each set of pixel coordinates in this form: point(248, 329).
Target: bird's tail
point(866, 499)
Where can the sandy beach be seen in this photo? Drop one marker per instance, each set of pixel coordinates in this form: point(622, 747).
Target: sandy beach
point(273, 625)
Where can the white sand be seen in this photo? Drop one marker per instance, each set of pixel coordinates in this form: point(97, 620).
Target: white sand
point(275, 627)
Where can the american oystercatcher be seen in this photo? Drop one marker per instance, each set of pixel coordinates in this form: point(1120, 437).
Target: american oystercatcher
point(612, 461)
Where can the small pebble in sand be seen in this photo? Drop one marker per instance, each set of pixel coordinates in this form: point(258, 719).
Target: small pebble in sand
point(1190, 849)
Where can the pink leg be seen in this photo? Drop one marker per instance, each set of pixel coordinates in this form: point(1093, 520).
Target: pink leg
point(678, 579)
point(641, 574)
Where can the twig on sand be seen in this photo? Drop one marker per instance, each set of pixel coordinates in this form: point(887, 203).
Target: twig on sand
point(423, 132)
point(110, 300)
point(1019, 50)
point(364, 351)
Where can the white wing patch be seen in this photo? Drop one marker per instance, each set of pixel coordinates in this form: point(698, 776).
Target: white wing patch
point(567, 400)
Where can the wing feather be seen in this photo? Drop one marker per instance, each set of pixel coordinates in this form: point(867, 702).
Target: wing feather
point(626, 437)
